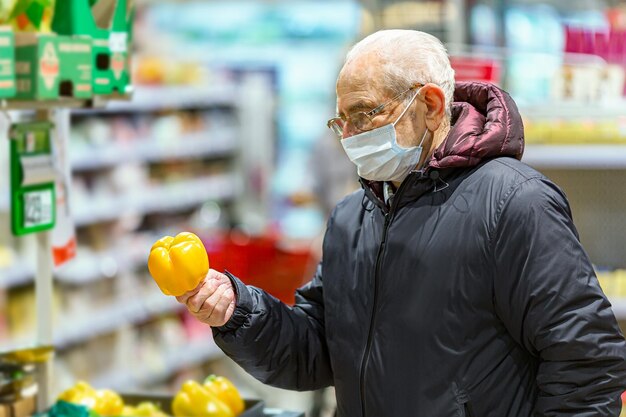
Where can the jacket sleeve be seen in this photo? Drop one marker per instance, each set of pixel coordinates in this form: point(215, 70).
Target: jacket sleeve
point(279, 345)
point(548, 297)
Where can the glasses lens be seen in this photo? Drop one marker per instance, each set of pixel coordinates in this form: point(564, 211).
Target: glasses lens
point(336, 125)
point(361, 122)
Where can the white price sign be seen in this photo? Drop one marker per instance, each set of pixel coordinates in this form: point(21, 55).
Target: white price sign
point(38, 208)
point(118, 42)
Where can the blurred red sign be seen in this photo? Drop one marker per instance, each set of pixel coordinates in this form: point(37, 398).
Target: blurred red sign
point(476, 69)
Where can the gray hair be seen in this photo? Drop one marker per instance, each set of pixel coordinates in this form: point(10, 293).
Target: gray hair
point(409, 57)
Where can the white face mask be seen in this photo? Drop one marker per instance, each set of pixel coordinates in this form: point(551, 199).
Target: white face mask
point(378, 156)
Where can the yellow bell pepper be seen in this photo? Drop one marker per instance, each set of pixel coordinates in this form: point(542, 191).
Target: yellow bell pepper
point(225, 391)
point(178, 264)
point(108, 403)
point(194, 400)
point(148, 409)
point(82, 393)
point(104, 402)
point(128, 411)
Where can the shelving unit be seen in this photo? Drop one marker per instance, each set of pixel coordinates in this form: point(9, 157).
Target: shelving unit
point(196, 353)
point(211, 145)
point(155, 98)
point(121, 312)
point(234, 152)
point(587, 157)
point(163, 198)
point(619, 308)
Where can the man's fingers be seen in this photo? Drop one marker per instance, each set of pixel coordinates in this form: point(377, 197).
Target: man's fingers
point(195, 302)
point(183, 298)
point(218, 316)
point(211, 302)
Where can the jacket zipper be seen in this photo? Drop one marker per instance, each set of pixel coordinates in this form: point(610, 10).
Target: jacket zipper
point(468, 410)
point(368, 346)
point(370, 334)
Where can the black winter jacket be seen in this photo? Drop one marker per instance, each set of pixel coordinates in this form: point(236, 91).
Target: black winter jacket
point(470, 295)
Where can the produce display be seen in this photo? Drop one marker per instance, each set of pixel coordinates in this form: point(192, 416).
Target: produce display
point(178, 264)
point(216, 397)
point(103, 402)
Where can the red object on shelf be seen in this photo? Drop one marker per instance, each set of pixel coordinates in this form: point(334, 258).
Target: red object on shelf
point(467, 68)
point(261, 262)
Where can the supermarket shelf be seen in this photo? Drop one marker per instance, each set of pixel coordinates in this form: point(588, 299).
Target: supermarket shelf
point(147, 99)
point(174, 360)
point(43, 104)
point(163, 198)
point(84, 269)
point(576, 156)
point(196, 145)
point(116, 315)
point(575, 110)
point(16, 275)
point(619, 308)
point(94, 267)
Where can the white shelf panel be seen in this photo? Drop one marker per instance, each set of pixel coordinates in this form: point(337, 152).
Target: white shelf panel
point(82, 270)
point(576, 156)
point(619, 307)
point(149, 99)
point(94, 267)
point(174, 360)
point(197, 145)
point(116, 315)
point(163, 198)
point(570, 110)
point(15, 275)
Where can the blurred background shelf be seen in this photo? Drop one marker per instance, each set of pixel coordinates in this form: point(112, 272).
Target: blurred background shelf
point(19, 273)
point(576, 156)
point(174, 360)
point(161, 198)
point(619, 308)
point(576, 110)
point(156, 98)
point(190, 146)
point(119, 313)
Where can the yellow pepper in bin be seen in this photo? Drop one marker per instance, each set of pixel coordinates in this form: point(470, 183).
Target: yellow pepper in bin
point(178, 264)
point(104, 402)
point(195, 400)
point(225, 391)
point(144, 409)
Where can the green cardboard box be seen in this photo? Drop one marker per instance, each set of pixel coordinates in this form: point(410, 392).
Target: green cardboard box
point(7, 63)
point(49, 66)
point(109, 23)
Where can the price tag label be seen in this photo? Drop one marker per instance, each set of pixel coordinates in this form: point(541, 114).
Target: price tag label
point(38, 210)
point(118, 42)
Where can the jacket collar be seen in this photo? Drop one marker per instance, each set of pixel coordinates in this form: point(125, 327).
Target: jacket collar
point(485, 124)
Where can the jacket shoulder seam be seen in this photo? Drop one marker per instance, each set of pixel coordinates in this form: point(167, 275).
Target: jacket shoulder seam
point(502, 205)
point(523, 174)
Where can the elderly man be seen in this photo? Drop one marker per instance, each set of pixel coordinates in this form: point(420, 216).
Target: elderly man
point(453, 284)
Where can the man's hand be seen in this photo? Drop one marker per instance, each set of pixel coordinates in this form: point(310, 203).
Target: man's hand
point(212, 301)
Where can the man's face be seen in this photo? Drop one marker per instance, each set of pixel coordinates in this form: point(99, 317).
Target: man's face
point(360, 89)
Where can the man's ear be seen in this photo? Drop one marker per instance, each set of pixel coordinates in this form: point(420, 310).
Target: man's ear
point(435, 100)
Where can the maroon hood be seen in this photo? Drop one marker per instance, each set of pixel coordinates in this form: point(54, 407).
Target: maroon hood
point(485, 124)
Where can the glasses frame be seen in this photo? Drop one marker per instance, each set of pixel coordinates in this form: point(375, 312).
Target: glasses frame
point(333, 124)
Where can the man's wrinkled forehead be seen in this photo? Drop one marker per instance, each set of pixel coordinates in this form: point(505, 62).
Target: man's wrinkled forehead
point(359, 73)
point(358, 85)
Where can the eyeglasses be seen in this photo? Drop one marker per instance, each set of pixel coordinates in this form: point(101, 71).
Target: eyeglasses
point(362, 121)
